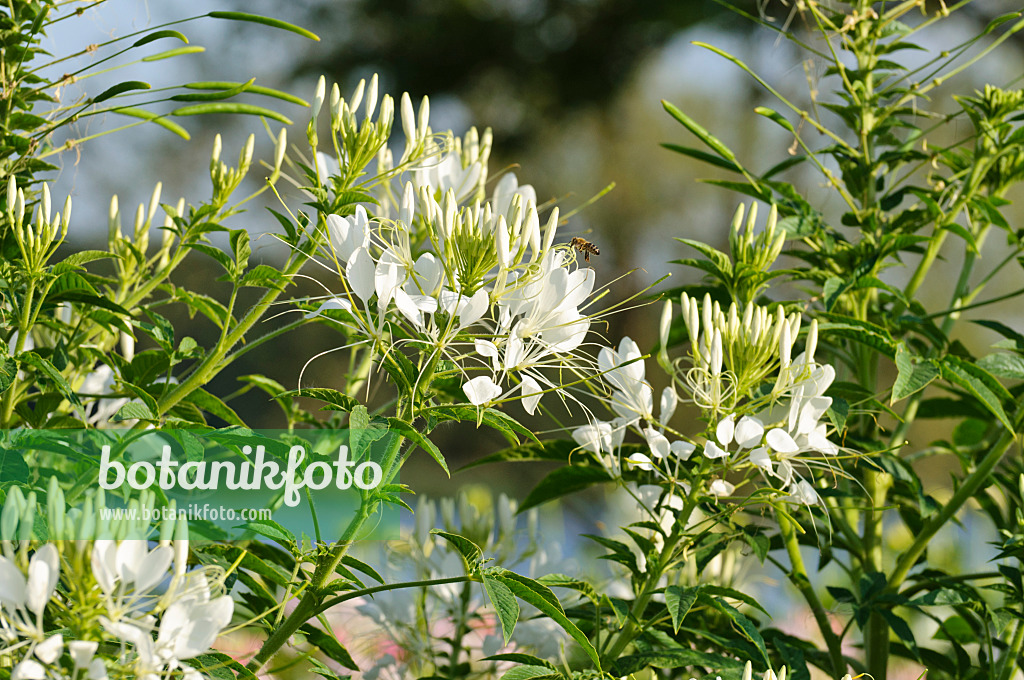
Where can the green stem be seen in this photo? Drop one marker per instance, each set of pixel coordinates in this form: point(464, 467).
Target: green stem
point(798, 577)
point(24, 324)
point(630, 630)
point(968, 488)
point(214, 362)
point(876, 634)
point(1010, 658)
point(312, 600)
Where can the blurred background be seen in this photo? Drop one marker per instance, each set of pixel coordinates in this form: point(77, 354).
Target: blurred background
point(572, 90)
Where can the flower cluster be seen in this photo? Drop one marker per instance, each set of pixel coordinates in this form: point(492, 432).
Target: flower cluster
point(125, 608)
point(432, 265)
point(764, 408)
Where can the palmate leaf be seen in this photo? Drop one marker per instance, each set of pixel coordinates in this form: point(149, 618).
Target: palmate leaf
point(979, 383)
point(469, 550)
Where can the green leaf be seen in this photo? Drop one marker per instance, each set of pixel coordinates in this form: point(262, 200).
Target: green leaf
point(272, 530)
point(155, 118)
point(550, 450)
point(335, 400)
point(177, 52)
point(733, 594)
point(266, 21)
point(1004, 365)
point(504, 603)
point(264, 276)
point(252, 89)
point(134, 410)
point(215, 406)
point(159, 35)
point(220, 666)
point(329, 645)
point(979, 383)
point(541, 597)
point(469, 550)
point(529, 673)
point(414, 435)
point(493, 418)
point(700, 132)
point(121, 88)
point(37, 362)
point(744, 625)
point(8, 372)
point(915, 373)
point(563, 481)
point(519, 657)
point(241, 248)
point(232, 108)
point(13, 467)
point(679, 601)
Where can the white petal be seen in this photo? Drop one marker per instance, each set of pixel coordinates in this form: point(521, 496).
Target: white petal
point(683, 449)
point(720, 488)
point(50, 649)
point(43, 570)
point(104, 564)
point(785, 473)
point(820, 443)
point(712, 450)
point(97, 670)
point(28, 670)
point(12, 584)
point(669, 401)
point(360, 274)
point(334, 303)
point(154, 568)
point(486, 348)
point(658, 442)
point(594, 437)
point(781, 442)
point(82, 652)
point(641, 461)
point(749, 432)
point(726, 428)
point(481, 390)
point(761, 459)
point(531, 394)
point(474, 308)
point(805, 493)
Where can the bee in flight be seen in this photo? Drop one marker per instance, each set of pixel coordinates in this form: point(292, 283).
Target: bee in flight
point(585, 247)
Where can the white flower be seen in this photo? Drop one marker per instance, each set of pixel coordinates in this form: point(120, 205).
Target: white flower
point(748, 432)
point(641, 461)
point(725, 430)
point(781, 442)
point(713, 451)
point(598, 437)
point(531, 394)
point(803, 492)
point(349, 233)
point(28, 669)
point(720, 487)
point(658, 442)
point(683, 449)
point(50, 649)
point(481, 390)
point(82, 652)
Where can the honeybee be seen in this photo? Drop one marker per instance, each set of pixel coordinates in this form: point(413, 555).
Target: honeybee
point(585, 247)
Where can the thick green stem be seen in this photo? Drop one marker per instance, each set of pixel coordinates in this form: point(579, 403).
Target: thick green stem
point(876, 634)
point(968, 488)
point(1011, 657)
point(630, 630)
point(312, 600)
point(798, 576)
point(214, 362)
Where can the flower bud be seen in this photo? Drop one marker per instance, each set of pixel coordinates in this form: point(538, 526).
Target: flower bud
point(280, 148)
point(12, 194)
point(28, 517)
point(45, 215)
point(785, 345)
point(423, 122)
point(665, 326)
point(215, 153)
point(55, 509)
point(113, 220)
point(812, 341)
point(371, 97)
point(13, 506)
